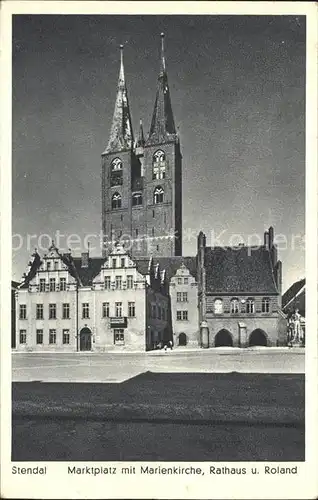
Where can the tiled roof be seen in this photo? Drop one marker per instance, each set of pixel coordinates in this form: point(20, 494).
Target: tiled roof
point(34, 267)
point(295, 298)
point(142, 264)
point(239, 270)
point(172, 264)
point(87, 274)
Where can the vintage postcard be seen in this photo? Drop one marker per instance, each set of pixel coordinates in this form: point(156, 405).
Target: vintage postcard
point(159, 250)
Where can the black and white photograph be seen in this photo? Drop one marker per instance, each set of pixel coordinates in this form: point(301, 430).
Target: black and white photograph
point(159, 309)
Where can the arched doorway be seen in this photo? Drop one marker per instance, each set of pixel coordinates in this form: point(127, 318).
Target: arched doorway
point(182, 339)
point(223, 339)
point(258, 337)
point(85, 339)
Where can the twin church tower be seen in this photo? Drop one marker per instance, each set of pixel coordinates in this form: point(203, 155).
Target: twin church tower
point(141, 178)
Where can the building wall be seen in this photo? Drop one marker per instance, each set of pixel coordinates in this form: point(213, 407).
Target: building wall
point(270, 323)
point(158, 328)
point(31, 324)
point(188, 327)
point(101, 328)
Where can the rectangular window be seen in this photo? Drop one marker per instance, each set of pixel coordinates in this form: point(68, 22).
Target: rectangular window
point(107, 282)
point(182, 296)
point(22, 337)
point(39, 311)
point(39, 336)
point(122, 262)
point(186, 281)
point(265, 305)
point(66, 311)
point(48, 265)
point(118, 282)
point(85, 310)
point(179, 281)
point(66, 336)
point(42, 285)
point(163, 314)
point(114, 263)
point(118, 309)
point(131, 309)
point(56, 265)
point(105, 310)
point(119, 337)
point(62, 284)
point(52, 284)
point(154, 311)
point(182, 315)
point(22, 314)
point(136, 233)
point(130, 281)
point(52, 311)
point(52, 336)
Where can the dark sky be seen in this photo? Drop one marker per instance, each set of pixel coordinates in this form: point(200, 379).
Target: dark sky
point(238, 94)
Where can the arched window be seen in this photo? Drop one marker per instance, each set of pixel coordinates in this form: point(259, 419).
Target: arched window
point(265, 305)
point(116, 164)
point(116, 174)
point(234, 306)
point(158, 195)
point(159, 165)
point(116, 201)
point(218, 306)
point(250, 306)
point(136, 199)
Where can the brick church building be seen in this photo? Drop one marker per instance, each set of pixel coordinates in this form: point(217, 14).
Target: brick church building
point(142, 292)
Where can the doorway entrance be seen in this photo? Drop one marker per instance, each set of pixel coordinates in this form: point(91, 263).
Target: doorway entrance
point(182, 339)
point(85, 339)
point(223, 339)
point(258, 337)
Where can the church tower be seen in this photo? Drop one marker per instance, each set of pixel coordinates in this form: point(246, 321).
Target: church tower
point(117, 161)
point(163, 179)
point(141, 180)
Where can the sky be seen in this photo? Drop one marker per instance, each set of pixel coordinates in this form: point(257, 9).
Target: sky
point(237, 87)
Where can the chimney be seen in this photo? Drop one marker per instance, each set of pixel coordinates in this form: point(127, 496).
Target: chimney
point(271, 236)
point(84, 262)
point(266, 240)
point(278, 273)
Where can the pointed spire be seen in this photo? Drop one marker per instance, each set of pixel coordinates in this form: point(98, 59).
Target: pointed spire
point(141, 137)
point(121, 134)
point(163, 62)
point(162, 124)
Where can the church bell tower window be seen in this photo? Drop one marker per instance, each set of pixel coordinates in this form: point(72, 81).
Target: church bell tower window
point(159, 165)
point(136, 199)
point(116, 173)
point(158, 195)
point(116, 201)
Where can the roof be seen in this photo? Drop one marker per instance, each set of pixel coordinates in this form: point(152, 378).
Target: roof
point(292, 291)
point(14, 284)
point(32, 272)
point(87, 274)
point(172, 264)
point(239, 270)
point(162, 126)
point(121, 133)
point(142, 265)
point(295, 297)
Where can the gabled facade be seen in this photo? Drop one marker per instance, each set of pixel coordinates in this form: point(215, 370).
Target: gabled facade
point(181, 273)
point(141, 180)
point(239, 294)
point(89, 304)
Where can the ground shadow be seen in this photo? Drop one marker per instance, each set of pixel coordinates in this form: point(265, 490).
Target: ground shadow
point(162, 416)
